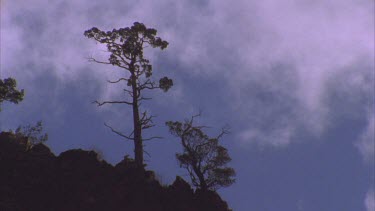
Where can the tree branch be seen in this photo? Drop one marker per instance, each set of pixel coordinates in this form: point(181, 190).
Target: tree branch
point(122, 59)
point(121, 79)
point(91, 59)
point(120, 134)
point(144, 98)
point(146, 121)
point(112, 102)
point(154, 137)
point(224, 131)
point(129, 92)
point(147, 153)
point(189, 123)
point(148, 84)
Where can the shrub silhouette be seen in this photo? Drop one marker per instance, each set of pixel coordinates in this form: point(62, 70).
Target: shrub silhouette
point(33, 133)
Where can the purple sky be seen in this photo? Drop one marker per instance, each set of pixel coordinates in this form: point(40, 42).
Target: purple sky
point(293, 79)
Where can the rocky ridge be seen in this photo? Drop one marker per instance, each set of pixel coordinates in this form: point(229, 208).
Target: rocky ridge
point(33, 178)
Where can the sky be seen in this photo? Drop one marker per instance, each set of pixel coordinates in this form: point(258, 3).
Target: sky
point(293, 79)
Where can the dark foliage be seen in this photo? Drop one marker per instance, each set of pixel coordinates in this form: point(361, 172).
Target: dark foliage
point(8, 91)
point(34, 133)
point(202, 156)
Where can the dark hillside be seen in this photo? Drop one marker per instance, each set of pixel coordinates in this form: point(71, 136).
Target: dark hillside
point(33, 178)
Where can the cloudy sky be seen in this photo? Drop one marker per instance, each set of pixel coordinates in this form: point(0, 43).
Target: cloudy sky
point(293, 79)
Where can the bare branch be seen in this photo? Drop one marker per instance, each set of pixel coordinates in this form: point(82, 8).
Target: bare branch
point(150, 87)
point(224, 131)
point(148, 84)
point(148, 154)
point(190, 122)
point(112, 102)
point(131, 134)
point(148, 126)
point(146, 121)
point(121, 79)
point(144, 98)
point(195, 116)
point(91, 59)
point(154, 137)
point(120, 134)
point(129, 92)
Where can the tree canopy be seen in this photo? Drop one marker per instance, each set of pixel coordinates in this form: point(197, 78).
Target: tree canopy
point(8, 91)
point(203, 157)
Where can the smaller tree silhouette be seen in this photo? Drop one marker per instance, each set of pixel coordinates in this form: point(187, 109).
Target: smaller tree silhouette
point(8, 91)
point(203, 157)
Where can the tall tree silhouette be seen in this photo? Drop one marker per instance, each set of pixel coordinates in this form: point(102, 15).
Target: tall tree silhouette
point(8, 91)
point(126, 46)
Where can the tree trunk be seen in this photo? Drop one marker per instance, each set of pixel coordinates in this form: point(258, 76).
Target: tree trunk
point(138, 145)
point(195, 164)
point(202, 181)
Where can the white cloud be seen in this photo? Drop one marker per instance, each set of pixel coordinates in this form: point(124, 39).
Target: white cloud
point(243, 41)
point(366, 143)
point(370, 200)
point(319, 43)
point(278, 137)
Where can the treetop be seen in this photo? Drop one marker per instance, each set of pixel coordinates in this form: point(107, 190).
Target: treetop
point(138, 33)
point(8, 91)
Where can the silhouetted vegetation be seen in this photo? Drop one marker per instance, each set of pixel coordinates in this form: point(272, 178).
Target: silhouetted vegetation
point(126, 46)
point(8, 91)
point(202, 156)
point(34, 133)
point(33, 178)
point(36, 179)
